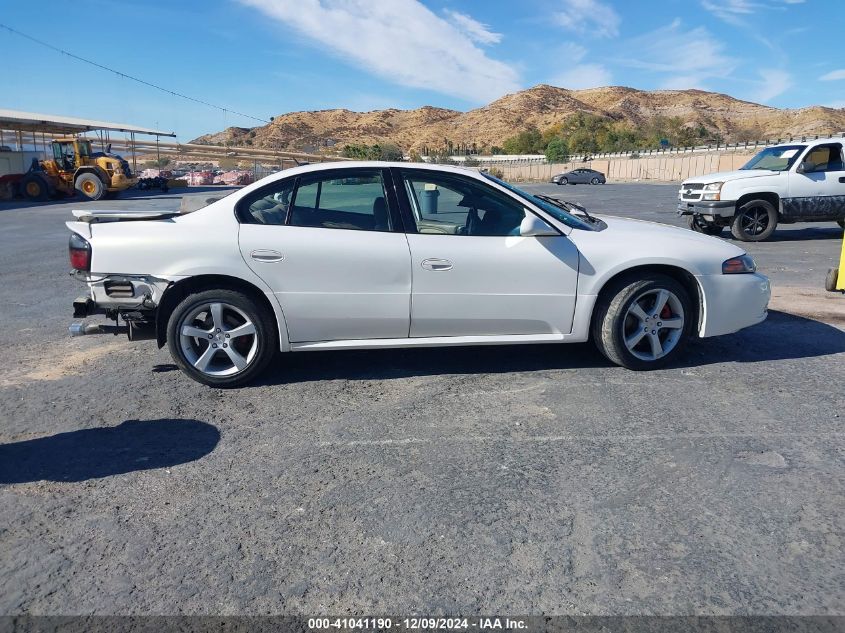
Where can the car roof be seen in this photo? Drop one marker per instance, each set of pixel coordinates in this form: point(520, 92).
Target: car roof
point(353, 164)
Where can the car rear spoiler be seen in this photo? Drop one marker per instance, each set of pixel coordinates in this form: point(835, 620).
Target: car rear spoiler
point(104, 215)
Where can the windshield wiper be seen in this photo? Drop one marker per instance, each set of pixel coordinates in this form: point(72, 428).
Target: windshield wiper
point(571, 207)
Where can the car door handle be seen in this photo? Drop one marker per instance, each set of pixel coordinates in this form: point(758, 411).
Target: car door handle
point(842, 179)
point(266, 256)
point(436, 264)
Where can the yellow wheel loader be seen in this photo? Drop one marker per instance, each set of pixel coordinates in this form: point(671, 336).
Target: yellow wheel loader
point(76, 168)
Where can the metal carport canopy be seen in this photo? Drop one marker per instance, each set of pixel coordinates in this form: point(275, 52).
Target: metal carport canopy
point(53, 124)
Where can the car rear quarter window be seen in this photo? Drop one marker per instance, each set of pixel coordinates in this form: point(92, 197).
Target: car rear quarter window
point(269, 205)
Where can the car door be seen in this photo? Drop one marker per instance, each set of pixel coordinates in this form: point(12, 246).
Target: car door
point(331, 246)
point(473, 274)
point(817, 185)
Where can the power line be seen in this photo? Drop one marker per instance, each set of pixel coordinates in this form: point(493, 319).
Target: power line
point(126, 76)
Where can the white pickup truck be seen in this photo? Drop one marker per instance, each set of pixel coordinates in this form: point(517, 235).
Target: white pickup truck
point(791, 182)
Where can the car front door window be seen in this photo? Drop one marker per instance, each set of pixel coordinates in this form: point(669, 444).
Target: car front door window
point(451, 205)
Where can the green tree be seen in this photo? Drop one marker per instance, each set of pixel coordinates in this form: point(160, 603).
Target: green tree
point(557, 151)
point(528, 141)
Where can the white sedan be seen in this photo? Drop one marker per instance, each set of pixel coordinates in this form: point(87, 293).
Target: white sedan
point(372, 255)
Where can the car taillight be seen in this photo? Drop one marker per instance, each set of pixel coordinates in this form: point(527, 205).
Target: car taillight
point(80, 252)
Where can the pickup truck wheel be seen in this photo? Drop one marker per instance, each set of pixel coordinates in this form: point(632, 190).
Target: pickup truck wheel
point(754, 221)
point(643, 323)
point(90, 186)
point(700, 225)
point(221, 338)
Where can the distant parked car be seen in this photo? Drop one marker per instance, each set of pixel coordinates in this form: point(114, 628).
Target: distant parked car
point(580, 177)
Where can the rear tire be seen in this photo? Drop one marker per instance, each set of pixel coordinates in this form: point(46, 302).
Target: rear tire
point(90, 186)
point(643, 323)
point(754, 221)
point(34, 187)
point(221, 338)
point(700, 225)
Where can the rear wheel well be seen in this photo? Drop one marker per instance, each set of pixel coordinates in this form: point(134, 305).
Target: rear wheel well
point(771, 198)
point(683, 277)
point(177, 291)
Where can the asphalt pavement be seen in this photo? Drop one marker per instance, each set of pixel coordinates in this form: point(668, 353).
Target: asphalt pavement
point(523, 480)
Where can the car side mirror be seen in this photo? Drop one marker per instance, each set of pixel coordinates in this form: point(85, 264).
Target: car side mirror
point(805, 167)
point(534, 226)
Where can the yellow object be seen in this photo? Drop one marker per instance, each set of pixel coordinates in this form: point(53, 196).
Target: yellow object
point(840, 281)
point(75, 167)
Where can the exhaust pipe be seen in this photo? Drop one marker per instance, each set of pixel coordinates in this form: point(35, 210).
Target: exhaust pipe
point(86, 329)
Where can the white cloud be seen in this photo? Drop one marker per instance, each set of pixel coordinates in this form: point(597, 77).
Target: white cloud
point(688, 57)
point(833, 75)
point(584, 76)
point(401, 41)
point(473, 29)
point(773, 82)
point(836, 104)
point(588, 16)
point(730, 10)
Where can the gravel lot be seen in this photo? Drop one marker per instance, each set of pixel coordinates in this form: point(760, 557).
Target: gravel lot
point(522, 480)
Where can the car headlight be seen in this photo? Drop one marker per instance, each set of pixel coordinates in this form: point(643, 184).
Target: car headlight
point(738, 265)
point(712, 191)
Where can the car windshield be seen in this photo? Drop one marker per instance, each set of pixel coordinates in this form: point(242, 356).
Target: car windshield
point(559, 214)
point(775, 158)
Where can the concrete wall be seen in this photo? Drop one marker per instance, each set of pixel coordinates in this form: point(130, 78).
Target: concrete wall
point(654, 168)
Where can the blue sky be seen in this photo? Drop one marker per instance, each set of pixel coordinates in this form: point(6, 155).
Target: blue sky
point(267, 57)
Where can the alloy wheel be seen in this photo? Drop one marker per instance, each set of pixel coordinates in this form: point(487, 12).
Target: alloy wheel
point(653, 324)
point(218, 339)
point(754, 220)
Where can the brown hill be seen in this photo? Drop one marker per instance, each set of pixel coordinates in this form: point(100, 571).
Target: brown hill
point(541, 106)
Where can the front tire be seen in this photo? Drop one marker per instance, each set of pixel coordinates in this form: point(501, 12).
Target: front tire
point(700, 225)
point(221, 338)
point(643, 323)
point(90, 186)
point(754, 221)
point(595, 181)
point(563, 181)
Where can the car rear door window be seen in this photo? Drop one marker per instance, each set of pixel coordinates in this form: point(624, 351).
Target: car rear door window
point(354, 199)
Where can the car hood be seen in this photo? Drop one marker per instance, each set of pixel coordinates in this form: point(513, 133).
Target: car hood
point(627, 241)
point(724, 176)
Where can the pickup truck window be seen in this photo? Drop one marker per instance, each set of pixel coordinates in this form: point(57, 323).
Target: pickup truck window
point(778, 158)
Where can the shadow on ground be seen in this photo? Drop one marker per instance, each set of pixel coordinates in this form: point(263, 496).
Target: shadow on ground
point(102, 452)
point(781, 337)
